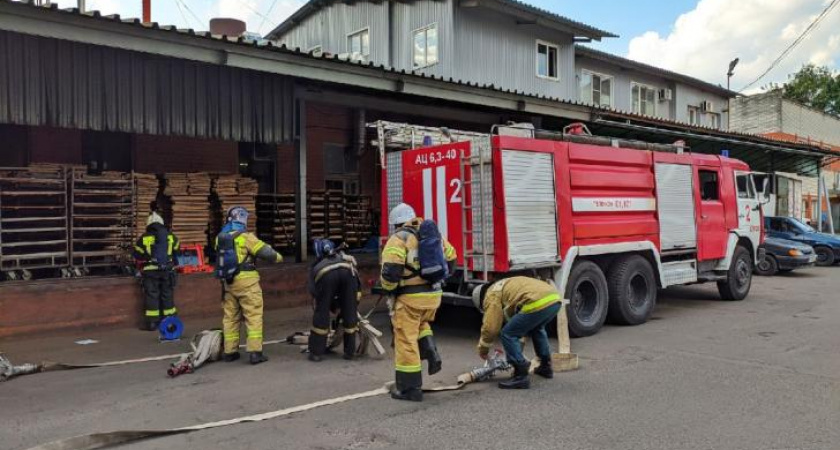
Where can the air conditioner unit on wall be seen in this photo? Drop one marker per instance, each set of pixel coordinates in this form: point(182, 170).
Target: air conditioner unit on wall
point(666, 95)
point(707, 106)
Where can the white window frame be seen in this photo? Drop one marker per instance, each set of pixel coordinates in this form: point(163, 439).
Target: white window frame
point(316, 50)
point(603, 76)
point(414, 34)
point(350, 36)
point(646, 86)
point(548, 46)
point(698, 117)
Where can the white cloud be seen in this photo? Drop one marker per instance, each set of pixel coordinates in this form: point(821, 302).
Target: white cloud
point(704, 40)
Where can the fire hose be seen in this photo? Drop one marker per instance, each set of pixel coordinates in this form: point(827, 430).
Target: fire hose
point(494, 364)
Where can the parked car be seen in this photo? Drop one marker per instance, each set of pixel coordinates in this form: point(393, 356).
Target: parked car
point(826, 246)
point(783, 255)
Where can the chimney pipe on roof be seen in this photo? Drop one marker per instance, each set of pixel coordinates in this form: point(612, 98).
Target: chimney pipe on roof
point(147, 11)
point(227, 27)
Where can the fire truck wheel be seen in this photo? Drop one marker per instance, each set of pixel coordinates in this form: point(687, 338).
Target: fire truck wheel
point(739, 277)
point(588, 296)
point(633, 288)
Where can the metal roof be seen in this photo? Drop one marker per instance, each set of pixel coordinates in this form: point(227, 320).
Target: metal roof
point(579, 28)
point(267, 57)
point(653, 70)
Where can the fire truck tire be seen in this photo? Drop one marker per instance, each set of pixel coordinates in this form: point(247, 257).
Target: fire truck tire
point(739, 276)
point(633, 289)
point(588, 296)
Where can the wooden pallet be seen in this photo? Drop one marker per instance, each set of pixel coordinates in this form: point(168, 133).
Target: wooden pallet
point(146, 187)
point(229, 191)
point(276, 220)
point(186, 207)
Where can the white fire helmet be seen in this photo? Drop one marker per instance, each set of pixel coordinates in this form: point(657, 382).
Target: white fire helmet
point(154, 218)
point(401, 214)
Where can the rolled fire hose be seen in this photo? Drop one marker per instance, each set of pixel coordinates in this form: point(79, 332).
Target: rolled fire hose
point(102, 440)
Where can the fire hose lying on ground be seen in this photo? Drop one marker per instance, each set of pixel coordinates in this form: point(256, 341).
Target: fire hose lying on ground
point(494, 365)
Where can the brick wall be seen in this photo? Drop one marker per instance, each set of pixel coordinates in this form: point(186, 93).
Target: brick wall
point(161, 154)
point(55, 145)
point(286, 170)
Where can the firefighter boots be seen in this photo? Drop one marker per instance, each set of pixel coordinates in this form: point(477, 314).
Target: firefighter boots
point(258, 357)
point(520, 379)
point(230, 357)
point(408, 387)
point(429, 352)
point(544, 369)
point(349, 346)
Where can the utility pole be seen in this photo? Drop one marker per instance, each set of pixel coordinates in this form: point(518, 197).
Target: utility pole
point(80, 4)
point(729, 74)
point(147, 11)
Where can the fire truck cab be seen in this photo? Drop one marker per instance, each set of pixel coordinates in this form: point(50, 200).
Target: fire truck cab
point(609, 221)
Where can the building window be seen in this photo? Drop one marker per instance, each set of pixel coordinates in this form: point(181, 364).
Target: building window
point(644, 99)
point(596, 88)
point(714, 120)
point(316, 50)
point(358, 44)
point(426, 47)
point(547, 60)
point(694, 115)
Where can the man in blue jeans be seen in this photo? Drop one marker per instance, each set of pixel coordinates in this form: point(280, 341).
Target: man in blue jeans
point(517, 307)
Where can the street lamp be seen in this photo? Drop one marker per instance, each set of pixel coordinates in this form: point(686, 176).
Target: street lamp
point(732, 65)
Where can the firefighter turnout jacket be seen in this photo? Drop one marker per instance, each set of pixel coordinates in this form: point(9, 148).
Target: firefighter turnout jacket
point(511, 296)
point(249, 248)
point(155, 244)
point(401, 268)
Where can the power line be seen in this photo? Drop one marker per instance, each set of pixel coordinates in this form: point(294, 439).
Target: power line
point(268, 13)
point(263, 16)
point(183, 16)
point(189, 10)
point(795, 43)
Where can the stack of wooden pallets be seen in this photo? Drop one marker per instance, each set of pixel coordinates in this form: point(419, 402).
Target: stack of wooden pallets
point(230, 191)
point(326, 214)
point(186, 205)
point(276, 220)
point(101, 218)
point(34, 232)
point(358, 220)
point(146, 188)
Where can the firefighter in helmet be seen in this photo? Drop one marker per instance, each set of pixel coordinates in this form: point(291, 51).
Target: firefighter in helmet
point(158, 250)
point(335, 285)
point(515, 308)
point(243, 296)
point(415, 306)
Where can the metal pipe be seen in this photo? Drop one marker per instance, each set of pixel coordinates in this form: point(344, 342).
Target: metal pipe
point(147, 11)
point(80, 4)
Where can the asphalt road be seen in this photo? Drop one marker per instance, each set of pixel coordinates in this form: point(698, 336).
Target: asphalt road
point(704, 374)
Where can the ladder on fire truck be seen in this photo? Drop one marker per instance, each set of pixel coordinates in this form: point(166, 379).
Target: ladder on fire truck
point(393, 136)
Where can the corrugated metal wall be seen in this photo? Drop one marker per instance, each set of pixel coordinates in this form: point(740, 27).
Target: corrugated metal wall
point(492, 49)
point(330, 26)
point(58, 83)
point(409, 17)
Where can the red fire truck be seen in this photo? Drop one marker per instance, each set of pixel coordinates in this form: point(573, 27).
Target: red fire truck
point(609, 221)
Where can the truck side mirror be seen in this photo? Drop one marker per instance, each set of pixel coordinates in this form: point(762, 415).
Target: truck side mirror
point(765, 191)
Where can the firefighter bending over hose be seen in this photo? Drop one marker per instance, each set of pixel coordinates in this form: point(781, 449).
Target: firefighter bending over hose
point(417, 299)
point(238, 251)
point(335, 285)
point(158, 251)
point(517, 307)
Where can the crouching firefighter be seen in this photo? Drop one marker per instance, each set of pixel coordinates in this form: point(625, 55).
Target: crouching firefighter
point(157, 250)
point(415, 263)
point(517, 307)
point(237, 251)
point(335, 285)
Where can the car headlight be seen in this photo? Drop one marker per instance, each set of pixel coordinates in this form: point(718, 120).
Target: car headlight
point(794, 252)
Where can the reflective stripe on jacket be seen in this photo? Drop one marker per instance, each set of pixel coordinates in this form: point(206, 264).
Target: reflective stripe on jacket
point(511, 296)
point(143, 251)
point(249, 248)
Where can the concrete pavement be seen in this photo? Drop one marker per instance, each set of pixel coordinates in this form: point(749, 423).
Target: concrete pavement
point(704, 374)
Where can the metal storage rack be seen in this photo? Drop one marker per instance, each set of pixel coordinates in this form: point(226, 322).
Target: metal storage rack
point(358, 218)
point(101, 219)
point(33, 221)
point(276, 220)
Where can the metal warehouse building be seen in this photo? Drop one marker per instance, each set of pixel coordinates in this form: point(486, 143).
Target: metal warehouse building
point(87, 93)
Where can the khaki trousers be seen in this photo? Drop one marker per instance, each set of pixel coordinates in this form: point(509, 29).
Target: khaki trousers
point(410, 324)
point(243, 299)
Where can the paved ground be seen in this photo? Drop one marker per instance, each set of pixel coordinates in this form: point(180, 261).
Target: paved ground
point(704, 374)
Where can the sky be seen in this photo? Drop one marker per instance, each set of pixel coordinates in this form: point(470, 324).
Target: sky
point(694, 37)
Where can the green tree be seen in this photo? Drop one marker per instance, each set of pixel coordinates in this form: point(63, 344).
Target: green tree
point(814, 86)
